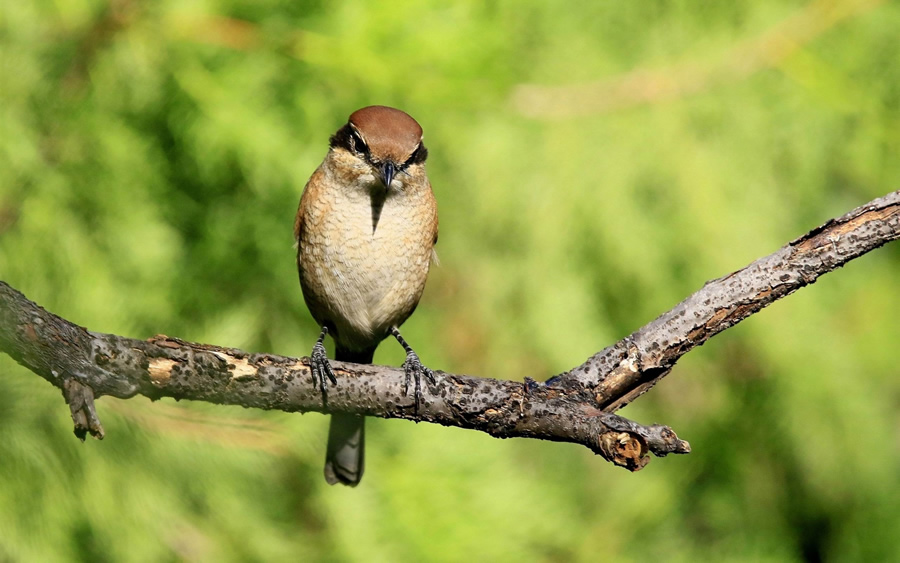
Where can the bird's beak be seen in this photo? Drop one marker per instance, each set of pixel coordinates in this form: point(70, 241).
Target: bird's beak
point(387, 173)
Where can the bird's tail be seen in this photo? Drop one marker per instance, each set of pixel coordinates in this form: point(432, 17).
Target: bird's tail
point(345, 456)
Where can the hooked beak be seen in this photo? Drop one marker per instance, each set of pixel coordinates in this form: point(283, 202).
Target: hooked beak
point(387, 173)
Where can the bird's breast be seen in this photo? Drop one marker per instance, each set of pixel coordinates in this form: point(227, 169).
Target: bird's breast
point(364, 259)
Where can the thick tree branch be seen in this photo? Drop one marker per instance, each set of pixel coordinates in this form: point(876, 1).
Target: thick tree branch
point(572, 407)
point(81, 362)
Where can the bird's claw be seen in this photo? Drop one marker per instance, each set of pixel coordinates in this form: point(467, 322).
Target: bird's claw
point(320, 367)
point(414, 370)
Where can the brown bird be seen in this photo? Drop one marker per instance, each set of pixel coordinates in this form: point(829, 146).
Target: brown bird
point(365, 230)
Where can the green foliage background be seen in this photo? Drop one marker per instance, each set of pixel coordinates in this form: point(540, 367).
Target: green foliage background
point(151, 160)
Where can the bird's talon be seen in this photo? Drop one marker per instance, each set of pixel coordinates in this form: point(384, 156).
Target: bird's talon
point(320, 368)
point(414, 370)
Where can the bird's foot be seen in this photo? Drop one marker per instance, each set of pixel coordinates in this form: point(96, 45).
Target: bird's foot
point(319, 366)
point(414, 370)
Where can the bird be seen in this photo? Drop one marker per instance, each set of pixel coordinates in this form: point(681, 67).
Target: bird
point(365, 232)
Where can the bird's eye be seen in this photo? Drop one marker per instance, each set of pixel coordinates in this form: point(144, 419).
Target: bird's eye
point(417, 157)
point(358, 144)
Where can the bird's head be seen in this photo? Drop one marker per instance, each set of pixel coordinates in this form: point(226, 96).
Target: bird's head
point(386, 140)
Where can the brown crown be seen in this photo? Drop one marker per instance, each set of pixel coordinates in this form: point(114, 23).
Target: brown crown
point(389, 133)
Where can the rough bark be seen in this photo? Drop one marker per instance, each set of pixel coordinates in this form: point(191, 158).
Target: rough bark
point(624, 371)
point(576, 406)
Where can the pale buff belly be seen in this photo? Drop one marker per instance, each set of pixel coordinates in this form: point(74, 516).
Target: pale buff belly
point(363, 278)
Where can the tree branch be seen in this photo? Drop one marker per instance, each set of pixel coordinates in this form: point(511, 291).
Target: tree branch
point(628, 369)
point(573, 407)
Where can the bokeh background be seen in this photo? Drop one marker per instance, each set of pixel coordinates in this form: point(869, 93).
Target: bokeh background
point(594, 163)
